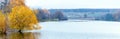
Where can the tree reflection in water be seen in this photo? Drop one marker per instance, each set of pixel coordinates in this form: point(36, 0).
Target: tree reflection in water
point(2, 36)
point(17, 35)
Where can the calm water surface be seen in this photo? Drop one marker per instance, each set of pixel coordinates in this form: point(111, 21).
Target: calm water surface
point(71, 30)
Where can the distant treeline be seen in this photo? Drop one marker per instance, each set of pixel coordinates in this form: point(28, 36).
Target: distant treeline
point(111, 17)
point(83, 10)
point(87, 14)
point(46, 15)
point(84, 14)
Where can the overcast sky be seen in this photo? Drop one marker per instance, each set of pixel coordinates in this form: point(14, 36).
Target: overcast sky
point(68, 4)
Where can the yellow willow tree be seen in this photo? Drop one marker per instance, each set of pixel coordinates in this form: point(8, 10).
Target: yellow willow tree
point(2, 22)
point(22, 18)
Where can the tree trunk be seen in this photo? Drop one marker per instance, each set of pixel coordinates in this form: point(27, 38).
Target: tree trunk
point(20, 31)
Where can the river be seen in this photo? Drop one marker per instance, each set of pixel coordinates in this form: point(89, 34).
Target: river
point(72, 29)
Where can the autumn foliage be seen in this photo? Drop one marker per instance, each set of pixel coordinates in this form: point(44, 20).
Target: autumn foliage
point(2, 22)
point(22, 17)
point(18, 17)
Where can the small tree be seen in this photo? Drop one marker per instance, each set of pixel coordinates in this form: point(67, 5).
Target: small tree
point(117, 16)
point(21, 18)
point(2, 22)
